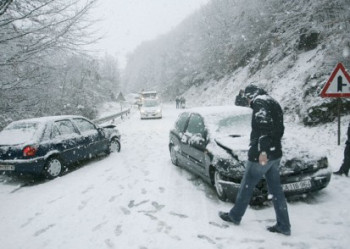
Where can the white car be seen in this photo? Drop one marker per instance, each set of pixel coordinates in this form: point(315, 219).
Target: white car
point(151, 108)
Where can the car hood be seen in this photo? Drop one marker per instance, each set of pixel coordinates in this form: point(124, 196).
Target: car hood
point(235, 145)
point(231, 152)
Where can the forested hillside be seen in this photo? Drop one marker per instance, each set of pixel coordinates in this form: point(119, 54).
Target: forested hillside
point(44, 69)
point(288, 47)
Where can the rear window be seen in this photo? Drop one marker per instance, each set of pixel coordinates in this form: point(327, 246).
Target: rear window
point(19, 133)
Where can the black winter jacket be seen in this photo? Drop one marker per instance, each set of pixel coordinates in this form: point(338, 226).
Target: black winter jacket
point(267, 128)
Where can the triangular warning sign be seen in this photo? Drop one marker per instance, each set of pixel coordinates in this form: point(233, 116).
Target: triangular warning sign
point(338, 85)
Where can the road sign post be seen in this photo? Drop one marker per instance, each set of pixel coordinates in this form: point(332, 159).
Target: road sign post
point(338, 86)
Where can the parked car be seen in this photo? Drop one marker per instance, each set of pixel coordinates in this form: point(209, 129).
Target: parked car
point(212, 142)
point(151, 108)
point(47, 145)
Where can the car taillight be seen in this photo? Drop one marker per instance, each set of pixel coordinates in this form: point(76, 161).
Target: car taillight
point(30, 150)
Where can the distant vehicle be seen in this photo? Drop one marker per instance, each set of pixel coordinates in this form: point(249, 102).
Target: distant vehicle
point(151, 108)
point(47, 145)
point(212, 142)
point(149, 95)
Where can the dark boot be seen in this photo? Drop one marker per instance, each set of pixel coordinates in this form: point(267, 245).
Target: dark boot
point(275, 229)
point(225, 216)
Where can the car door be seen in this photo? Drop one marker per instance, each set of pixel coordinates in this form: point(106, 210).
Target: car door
point(176, 136)
point(193, 143)
point(94, 140)
point(67, 139)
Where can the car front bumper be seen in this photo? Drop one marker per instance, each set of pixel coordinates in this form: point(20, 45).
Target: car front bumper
point(151, 115)
point(292, 186)
point(32, 166)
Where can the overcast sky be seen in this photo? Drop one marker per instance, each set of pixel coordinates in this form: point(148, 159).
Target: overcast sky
point(127, 23)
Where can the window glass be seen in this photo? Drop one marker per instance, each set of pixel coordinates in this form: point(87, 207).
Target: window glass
point(181, 122)
point(150, 103)
point(65, 127)
point(84, 125)
point(55, 132)
point(196, 125)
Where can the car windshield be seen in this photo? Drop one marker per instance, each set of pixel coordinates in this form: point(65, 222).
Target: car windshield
point(226, 121)
point(235, 124)
point(18, 133)
point(151, 103)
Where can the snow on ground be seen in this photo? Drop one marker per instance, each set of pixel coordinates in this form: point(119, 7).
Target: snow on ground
point(138, 199)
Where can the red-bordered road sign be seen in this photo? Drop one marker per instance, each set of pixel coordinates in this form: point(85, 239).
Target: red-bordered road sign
point(338, 85)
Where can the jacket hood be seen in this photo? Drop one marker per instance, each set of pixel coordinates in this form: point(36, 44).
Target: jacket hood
point(252, 91)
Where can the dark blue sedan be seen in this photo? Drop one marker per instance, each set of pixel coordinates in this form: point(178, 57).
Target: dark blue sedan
point(46, 146)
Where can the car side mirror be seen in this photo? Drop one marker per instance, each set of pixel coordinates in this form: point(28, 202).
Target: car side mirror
point(197, 140)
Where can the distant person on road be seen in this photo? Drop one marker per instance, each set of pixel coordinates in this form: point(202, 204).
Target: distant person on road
point(241, 100)
point(344, 168)
point(177, 100)
point(264, 158)
point(183, 102)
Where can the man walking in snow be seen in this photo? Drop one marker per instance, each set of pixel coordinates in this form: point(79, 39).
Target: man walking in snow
point(264, 157)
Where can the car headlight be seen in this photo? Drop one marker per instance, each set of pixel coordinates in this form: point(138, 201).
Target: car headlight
point(142, 111)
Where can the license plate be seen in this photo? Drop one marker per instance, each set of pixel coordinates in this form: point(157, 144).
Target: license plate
point(7, 167)
point(296, 186)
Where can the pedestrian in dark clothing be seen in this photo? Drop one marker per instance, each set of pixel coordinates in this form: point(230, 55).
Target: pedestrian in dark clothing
point(177, 100)
point(183, 102)
point(241, 100)
point(344, 168)
point(264, 157)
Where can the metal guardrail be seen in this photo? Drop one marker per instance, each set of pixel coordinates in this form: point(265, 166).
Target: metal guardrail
point(113, 116)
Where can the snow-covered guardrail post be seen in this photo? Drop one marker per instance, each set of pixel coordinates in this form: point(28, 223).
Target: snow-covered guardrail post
point(112, 117)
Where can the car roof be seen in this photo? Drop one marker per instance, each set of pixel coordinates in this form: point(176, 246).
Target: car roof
point(47, 119)
point(211, 111)
point(145, 92)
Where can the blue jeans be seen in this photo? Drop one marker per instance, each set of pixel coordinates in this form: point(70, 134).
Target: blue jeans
point(254, 172)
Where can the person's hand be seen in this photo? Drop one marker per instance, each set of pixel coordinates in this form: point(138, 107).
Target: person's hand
point(263, 158)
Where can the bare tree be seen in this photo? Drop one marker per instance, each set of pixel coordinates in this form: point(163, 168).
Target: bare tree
point(32, 27)
point(3, 5)
point(34, 34)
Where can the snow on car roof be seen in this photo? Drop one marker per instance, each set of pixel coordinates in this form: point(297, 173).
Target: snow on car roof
point(46, 119)
point(143, 92)
point(28, 130)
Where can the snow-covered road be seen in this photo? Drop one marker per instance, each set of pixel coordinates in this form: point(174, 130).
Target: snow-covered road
point(137, 199)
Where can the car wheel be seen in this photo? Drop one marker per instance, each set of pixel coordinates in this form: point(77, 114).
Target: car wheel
point(53, 168)
point(218, 187)
point(114, 145)
point(173, 156)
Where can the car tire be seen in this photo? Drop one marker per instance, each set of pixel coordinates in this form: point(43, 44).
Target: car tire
point(220, 192)
point(114, 145)
point(53, 168)
point(173, 156)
